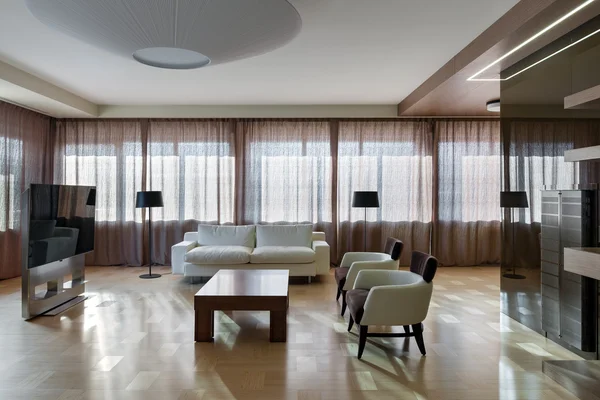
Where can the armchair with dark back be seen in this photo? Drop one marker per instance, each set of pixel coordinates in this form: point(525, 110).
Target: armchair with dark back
point(393, 298)
point(354, 262)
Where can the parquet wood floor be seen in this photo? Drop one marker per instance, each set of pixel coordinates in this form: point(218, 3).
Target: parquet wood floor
point(134, 339)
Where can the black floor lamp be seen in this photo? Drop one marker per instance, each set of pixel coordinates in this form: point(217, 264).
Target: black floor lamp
point(149, 200)
point(365, 200)
point(513, 200)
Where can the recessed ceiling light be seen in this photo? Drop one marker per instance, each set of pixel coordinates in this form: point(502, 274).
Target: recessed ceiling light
point(526, 42)
point(175, 34)
point(493, 106)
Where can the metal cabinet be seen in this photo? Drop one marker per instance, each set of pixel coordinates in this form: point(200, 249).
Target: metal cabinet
point(568, 300)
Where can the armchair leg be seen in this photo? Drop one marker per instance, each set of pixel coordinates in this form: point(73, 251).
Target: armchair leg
point(362, 339)
point(406, 328)
point(350, 323)
point(418, 330)
point(339, 292)
point(343, 302)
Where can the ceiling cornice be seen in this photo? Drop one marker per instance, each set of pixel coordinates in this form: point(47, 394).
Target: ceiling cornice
point(248, 111)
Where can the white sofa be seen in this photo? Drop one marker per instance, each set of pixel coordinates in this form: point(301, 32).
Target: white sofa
point(213, 247)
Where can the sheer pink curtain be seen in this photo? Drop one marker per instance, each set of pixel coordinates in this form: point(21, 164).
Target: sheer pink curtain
point(395, 159)
point(285, 172)
point(467, 230)
point(25, 157)
point(107, 154)
point(193, 164)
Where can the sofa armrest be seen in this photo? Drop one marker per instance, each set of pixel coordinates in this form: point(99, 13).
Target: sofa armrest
point(178, 254)
point(358, 266)
point(318, 236)
point(322, 254)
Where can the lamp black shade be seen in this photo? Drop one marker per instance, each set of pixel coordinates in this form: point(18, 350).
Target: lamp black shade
point(91, 200)
point(513, 200)
point(149, 199)
point(365, 199)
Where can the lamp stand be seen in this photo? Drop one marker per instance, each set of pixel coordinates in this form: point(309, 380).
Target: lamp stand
point(150, 275)
point(513, 274)
point(365, 231)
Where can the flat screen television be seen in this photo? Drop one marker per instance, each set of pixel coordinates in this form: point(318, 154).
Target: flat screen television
point(61, 222)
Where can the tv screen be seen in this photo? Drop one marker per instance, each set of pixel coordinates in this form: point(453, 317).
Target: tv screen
point(61, 222)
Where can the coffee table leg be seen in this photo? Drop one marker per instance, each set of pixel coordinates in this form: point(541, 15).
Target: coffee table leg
point(203, 325)
point(278, 326)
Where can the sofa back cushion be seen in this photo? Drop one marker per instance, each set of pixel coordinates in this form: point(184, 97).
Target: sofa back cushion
point(284, 235)
point(217, 235)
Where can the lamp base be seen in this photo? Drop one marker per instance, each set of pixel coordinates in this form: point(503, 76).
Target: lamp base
point(150, 276)
point(514, 276)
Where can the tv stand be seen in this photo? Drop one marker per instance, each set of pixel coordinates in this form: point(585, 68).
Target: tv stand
point(50, 288)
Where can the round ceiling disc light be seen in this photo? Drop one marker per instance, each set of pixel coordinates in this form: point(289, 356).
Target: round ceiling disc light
point(493, 106)
point(171, 57)
point(175, 34)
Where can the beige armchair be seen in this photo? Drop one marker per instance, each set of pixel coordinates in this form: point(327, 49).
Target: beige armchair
point(393, 298)
point(354, 262)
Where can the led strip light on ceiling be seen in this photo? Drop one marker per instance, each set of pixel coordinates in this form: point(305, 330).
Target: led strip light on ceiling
point(526, 42)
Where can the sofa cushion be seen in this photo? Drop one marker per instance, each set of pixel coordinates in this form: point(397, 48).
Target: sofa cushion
point(218, 255)
point(282, 255)
point(283, 235)
point(217, 235)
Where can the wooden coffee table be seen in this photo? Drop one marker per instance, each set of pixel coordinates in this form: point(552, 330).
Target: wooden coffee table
point(243, 290)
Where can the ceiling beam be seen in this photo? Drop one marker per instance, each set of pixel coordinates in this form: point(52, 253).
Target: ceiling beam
point(37, 85)
point(447, 91)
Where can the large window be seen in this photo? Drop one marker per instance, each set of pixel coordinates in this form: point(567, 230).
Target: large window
point(391, 158)
point(294, 182)
point(468, 170)
point(480, 187)
point(8, 209)
point(10, 190)
point(105, 154)
point(193, 163)
point(115, 177)
point(24, 154)
point(288, 172)
point(85, 170)
point(298, 171)
point(197, 180)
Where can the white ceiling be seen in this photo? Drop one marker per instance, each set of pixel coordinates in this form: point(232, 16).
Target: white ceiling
point(348, 52)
